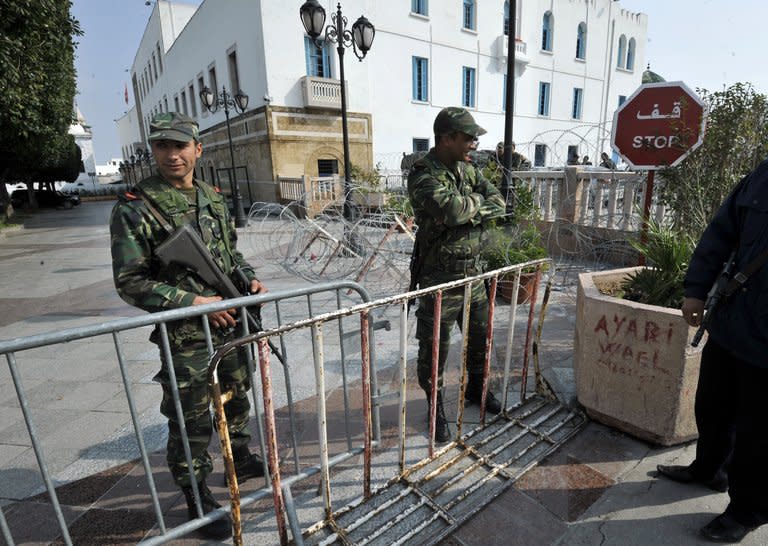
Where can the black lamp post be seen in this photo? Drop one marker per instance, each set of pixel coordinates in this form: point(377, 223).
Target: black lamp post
point(360, 38)
point(123, 173)
point(140, 161)
point(133, 168)
point(239, 102)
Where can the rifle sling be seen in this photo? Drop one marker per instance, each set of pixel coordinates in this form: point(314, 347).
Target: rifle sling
point(156, 213)
point(738, 280)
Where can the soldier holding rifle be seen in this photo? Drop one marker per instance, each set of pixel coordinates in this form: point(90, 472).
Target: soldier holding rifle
point(731, 413)
point(140, 222)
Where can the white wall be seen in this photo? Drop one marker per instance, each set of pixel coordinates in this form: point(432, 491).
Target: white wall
point(269, 40)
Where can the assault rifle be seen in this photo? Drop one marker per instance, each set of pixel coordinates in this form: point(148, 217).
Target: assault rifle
point(417, 261)
point(719, 292)
point(184, 247)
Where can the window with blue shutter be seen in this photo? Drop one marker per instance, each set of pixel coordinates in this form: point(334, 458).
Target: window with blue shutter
point(420, 6)
point(543, 109)
point(469, 14)
point(318, 59)
point(581, 41)
point(631, 54)
point(419, 79)
point(621, 54)
point(578, 100)
point(547, 29)
point(468, 87)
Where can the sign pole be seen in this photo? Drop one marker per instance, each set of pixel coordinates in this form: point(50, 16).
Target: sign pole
point(646, 213)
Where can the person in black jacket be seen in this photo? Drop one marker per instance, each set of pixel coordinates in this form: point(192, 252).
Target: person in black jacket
point(731, 413)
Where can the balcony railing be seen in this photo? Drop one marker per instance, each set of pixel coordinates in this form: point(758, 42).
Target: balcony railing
point(521, 50)
point(321, 92)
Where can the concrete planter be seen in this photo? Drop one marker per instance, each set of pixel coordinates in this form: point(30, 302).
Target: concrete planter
point(635, 369)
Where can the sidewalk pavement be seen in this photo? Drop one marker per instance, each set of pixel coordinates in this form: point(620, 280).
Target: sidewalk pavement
point(598, 488)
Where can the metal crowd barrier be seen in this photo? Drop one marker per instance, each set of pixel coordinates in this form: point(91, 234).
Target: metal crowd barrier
point(278, 487)
point(11, 348)
point(281, 488)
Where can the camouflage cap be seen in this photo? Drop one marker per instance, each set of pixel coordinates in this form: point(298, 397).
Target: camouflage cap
point(173, 126)
point(456, 120)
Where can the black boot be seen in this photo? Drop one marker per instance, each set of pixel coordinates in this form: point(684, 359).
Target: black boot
point(247, 465)
point(219, 529)
point(685, 474)
point(442, 432)
point(474, 395)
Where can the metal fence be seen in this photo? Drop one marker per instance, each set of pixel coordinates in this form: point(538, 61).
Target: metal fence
point(15, 351)
point(505, 459)
point(496, 451)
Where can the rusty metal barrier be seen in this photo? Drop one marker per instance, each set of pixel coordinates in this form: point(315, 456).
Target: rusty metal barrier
point(333, 523)
point(14, 349)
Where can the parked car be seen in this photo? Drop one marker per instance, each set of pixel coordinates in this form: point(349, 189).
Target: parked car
point(45, 198)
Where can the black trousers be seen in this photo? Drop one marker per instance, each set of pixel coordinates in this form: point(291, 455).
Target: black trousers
point(731, 415)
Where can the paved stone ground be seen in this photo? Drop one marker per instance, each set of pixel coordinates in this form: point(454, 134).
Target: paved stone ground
point(598, 488)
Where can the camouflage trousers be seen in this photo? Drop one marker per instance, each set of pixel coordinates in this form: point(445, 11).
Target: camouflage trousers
point(191, 368)
point(451, 312)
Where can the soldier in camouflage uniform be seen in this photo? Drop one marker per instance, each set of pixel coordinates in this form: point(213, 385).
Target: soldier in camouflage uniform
point(142, 281)
point(452, 203)
point(518, 162)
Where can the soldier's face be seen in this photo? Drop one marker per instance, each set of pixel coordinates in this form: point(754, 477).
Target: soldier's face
point(459, 145)
point(176, 160)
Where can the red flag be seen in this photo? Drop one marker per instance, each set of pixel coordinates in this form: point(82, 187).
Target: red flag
point(126, 93)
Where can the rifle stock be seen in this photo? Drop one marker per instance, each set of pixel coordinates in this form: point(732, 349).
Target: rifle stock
point(717, 294)
point(185, 248)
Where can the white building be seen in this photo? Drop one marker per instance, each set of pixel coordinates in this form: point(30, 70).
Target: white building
point(83, 135)
point(575, 61)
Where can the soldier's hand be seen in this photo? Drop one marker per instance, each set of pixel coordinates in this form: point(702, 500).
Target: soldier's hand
point(219, 319)
point(257, 287)
point(693, 311)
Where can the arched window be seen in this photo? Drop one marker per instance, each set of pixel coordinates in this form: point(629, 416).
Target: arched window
point(631, 54)
point(622, 54)
point(581, 41)
point(547, 30)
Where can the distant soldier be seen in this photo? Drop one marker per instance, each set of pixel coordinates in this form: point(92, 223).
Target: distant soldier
point(452, 203)
point(143, 281)
point(493, 171)
point(607, 162)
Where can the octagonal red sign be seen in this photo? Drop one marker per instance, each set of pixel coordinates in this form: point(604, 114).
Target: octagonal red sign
point(659, 125)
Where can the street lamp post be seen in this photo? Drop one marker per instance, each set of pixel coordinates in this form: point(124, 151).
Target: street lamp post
point(133, 168)
point(239, 102)
point(123, 173)
point(140, 161)
point(360, 38)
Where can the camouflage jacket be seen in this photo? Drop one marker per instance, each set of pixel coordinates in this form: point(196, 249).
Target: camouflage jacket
point(140, 278)
point(451, 209)
point(493, 170)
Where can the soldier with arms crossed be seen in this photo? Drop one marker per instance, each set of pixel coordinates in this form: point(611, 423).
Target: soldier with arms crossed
point(452, 203)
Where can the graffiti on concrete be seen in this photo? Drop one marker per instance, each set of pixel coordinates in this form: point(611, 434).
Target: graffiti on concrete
point(631, 347)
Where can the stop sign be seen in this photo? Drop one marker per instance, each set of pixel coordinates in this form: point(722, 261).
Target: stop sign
point(659, 125)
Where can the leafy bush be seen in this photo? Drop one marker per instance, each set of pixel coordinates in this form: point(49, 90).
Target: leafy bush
point(667, 251)
point(735, 142)
point(513, 244)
